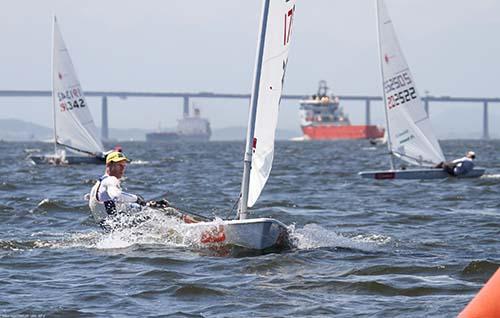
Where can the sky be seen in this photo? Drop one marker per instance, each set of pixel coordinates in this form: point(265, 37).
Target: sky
point(452, 48)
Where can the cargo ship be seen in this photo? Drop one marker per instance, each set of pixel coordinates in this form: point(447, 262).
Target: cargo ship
point(322, 119)
point(190, 128)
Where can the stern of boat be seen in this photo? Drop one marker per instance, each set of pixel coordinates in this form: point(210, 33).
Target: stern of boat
point(256, 234)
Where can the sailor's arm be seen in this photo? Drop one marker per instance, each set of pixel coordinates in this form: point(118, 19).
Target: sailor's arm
point(459, 160)
point(114, 192)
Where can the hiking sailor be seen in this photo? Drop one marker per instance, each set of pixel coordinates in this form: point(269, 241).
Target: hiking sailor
point(106, 197)
point(107, 200)
point(461, 166)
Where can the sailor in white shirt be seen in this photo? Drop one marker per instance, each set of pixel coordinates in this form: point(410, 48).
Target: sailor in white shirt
point(106, 197)
point(460, 166)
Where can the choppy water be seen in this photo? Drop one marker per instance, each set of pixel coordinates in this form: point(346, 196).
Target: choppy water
point(364, 248)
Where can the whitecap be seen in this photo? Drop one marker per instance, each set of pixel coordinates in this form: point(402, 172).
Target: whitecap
point(315, 236)
point(140, 162)
point(490, 176)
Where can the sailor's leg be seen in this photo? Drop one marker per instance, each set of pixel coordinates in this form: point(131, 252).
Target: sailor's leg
point(439, 165)
point(449, 167)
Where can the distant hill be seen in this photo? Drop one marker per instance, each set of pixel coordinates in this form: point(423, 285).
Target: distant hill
point(131, 134)
point(218, 134)
point(18, 130)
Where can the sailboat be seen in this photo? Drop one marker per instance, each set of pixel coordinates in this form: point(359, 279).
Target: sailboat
point(74, 128)
point(409, 132)
point(272, 57)
point(379, 141)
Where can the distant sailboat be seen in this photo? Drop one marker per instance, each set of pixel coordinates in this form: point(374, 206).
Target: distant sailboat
point(379, 141)
point(271, 62)
point(409, 132)
point(74, 128)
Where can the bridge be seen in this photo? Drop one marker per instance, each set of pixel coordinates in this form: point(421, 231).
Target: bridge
point(187, 96)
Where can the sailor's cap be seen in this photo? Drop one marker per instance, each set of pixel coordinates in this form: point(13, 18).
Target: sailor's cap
point(116, 156)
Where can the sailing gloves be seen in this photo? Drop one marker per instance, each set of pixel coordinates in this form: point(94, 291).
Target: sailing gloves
point(154, 204)
point(159, 204)
point(140, 200)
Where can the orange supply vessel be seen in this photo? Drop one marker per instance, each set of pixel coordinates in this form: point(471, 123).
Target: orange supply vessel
point(322, 119)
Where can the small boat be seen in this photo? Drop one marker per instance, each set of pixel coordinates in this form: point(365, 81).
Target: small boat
point(76, 140)
point(410, 136)
point(422, 174)
point(270, 66)
point(379, 141)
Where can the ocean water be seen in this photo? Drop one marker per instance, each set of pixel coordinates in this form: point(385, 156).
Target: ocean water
point(363, 248)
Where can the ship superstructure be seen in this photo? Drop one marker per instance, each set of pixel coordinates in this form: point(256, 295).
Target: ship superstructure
point(189, 128)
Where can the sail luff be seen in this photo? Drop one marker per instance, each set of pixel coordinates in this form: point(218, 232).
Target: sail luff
point(54, 22)
point(389, 143)
point(247, 161)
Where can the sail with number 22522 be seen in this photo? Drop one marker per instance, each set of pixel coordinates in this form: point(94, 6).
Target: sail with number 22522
point(410, 136)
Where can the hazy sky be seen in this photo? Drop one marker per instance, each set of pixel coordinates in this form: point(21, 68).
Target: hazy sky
point(452, 47)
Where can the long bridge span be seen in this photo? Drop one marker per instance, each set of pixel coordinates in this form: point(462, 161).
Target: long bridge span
point(186, 96)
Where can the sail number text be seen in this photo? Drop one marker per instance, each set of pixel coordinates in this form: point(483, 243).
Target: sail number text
point(397, 82)
point(70, 99)
point(399, 90)
point(400, 98)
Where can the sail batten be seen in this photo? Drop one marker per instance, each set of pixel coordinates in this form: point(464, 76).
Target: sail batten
point(410, 133)
point(73, 123)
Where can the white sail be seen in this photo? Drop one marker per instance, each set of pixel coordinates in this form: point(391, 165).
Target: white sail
point(410, 132)
point(274, 60)
point(74, 126)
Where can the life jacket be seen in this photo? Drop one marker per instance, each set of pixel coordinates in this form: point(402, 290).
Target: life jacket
point(100, 209)
point(463, 166)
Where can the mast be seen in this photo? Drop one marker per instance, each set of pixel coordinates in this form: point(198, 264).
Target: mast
point(247, 160)
point(389, 143)
point(53, 80)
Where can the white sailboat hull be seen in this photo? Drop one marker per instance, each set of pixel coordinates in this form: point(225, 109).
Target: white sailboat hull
point(423, 173)
point(68, 160)
point(255, 234)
